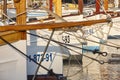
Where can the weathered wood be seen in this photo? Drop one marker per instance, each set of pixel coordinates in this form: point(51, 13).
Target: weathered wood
point(21, 19)
point(50, 25)
point(12, 36)
point(20, 8)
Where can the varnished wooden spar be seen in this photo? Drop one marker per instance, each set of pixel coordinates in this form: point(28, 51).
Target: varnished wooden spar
point(20, 6)
point(10, 36)
point(58, 7)
point(106, 4)
point(50, 25)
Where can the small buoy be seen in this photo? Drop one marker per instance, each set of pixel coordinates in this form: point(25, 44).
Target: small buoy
point(16, 1)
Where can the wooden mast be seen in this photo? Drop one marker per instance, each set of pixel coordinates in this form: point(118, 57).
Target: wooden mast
point(21, 19)
point(80, 6)
point(13, 36)
point(106, 4)
point(20, 8)
point(58, 7)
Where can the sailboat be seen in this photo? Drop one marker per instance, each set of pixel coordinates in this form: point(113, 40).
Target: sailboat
point(39, 49)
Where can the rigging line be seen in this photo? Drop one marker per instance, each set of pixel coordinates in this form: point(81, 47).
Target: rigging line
point(73, 1)
point(101, 4)
point(24, 54)
point(108, 34)
point(57, 41)
point(101, 62)
point(69, 64)
point(95, 30)
point(99, 33)
point(68, 69)
point(63, 44)
point(104, 8)
point(19, 14)
point(117, 46)
point(83, 68)
point(53, 60)
point(8, 17)
point(55, 54)
point(34, 77)
point(22, 13)
point(53, 57)
point(80, 64)
point(79, 40)
point(95, 41)
point(77, 59)
point(111, 24)
point(53, 14)
point(93, 59)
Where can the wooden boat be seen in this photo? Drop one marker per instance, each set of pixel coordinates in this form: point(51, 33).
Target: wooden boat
point(15, 36)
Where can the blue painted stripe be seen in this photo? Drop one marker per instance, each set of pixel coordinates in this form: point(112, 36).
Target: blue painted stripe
point(36, 14)
point(90, 48)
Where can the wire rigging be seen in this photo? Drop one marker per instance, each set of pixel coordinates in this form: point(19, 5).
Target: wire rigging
point(64, 45)
point(83, 67)
point(25, 54)
point(94, 41)
point(43, 54)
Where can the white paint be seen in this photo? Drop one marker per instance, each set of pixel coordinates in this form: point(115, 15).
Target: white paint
point(12, 63)
point(74, 18)
point(37, 46)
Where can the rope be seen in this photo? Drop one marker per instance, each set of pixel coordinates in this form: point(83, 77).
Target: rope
point(24, 54)
point(81, 69)
point(8, 17)
point(95, 41)
point(64, 45)
point(43, 54)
